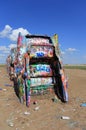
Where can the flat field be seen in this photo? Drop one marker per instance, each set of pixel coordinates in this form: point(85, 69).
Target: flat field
point(16, 116)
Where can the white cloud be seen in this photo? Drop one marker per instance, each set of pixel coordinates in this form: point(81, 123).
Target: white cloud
point(7, 52)
point(4, 50)
point(2, 55)
point(71, 49)
point(6, 31)
point(62, 52)
point(12, 34)
point(12, 46)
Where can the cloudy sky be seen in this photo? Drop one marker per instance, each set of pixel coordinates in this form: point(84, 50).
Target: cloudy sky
point(67, 18)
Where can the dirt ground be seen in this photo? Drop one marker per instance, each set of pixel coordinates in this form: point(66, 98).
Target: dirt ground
point(16, 116)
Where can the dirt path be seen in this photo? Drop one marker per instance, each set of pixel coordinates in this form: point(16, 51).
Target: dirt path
point(16, 116)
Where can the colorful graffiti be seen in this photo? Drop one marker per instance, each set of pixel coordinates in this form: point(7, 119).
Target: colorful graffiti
point(40, 70)
point(36, 66)
point(41, 51)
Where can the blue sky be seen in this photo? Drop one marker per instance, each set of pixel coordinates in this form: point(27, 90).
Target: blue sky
point(67, 18)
